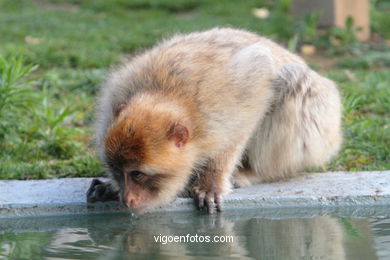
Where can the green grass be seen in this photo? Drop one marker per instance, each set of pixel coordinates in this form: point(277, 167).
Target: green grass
point(46, 130)
point(366, 120)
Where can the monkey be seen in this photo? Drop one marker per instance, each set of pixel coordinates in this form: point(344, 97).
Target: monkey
point(208, 111)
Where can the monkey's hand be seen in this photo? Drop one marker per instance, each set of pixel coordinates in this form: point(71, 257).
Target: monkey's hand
point(207, 196)
point(101, 191)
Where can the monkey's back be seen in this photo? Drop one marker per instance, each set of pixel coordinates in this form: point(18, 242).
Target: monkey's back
point(208, 70)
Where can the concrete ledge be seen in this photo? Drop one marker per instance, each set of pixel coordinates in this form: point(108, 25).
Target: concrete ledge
point(348, 190)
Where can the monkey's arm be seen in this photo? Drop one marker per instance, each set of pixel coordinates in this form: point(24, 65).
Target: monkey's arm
point(102, 191)
point(213, 181)
point(207, 193)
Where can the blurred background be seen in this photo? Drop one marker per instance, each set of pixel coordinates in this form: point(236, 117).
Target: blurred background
point(54, 54)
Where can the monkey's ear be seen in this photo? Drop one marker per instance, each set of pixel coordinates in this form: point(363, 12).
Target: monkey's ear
point(119, 109)
point(179, 134)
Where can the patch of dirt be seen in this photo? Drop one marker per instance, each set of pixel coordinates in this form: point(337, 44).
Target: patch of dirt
point(58, 6)
point(324, 63)
point(185, 15)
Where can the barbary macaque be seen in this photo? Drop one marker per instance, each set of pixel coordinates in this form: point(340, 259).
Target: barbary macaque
point(209, 110)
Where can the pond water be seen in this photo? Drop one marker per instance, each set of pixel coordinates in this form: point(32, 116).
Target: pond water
point(239, 234)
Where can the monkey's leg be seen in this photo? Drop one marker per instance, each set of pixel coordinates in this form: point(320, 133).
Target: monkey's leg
point(303, 128)
point(244, 177)
point(101, 191)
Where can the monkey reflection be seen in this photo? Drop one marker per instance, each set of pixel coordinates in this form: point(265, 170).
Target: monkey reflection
point(321, 237)
point(316, 238)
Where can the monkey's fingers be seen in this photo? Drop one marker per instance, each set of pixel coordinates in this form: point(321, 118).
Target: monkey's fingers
point(199, 197)
point(219, 202)
point(210, 202)
point(92, 191)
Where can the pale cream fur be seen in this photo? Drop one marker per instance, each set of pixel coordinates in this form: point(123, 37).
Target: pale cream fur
point(243, 95)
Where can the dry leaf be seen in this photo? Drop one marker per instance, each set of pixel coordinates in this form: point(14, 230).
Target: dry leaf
point(308, 49)
point(261, 13)
point(350, 75)
point(334, 41)
point(31, 40)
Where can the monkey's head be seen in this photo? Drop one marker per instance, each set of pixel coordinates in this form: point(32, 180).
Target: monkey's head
point(149, 152)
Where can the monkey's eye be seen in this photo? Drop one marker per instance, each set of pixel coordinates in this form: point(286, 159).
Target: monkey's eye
point(137, 176)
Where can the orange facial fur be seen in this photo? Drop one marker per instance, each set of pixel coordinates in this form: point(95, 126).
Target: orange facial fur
point(149, 136)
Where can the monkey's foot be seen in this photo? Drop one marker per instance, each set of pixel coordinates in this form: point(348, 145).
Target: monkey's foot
point(240, 181)
point(101, 191)
point(208, 199)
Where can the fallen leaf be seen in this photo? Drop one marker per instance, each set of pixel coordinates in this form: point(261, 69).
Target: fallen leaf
point(334, 41)
point(350, 75)
point(261, 13)
point(308, 49)
point(31, 40)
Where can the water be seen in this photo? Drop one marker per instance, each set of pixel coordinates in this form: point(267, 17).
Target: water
point(248, 234)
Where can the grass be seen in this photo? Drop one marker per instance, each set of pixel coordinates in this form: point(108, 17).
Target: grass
point(46, 110)
point(366, 99)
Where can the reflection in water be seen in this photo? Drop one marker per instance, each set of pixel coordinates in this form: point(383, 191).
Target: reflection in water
point(125, 237)
point(317, 238)
point(381, 230)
